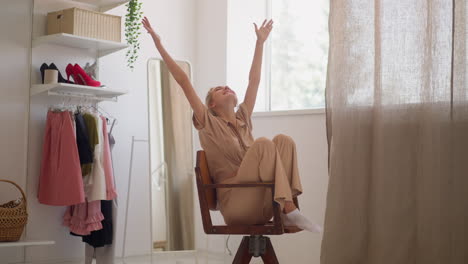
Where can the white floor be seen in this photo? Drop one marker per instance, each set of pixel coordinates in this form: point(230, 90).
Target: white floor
point(177, 257)
point(182, 260)
point(183, 257)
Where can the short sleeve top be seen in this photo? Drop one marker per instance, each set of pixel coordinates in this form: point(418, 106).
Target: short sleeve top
point(225, 143)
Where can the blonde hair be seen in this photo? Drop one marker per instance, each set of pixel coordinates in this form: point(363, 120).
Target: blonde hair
point(208, 99)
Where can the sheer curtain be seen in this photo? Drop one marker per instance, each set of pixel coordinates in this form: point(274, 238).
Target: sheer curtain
point(397, 125)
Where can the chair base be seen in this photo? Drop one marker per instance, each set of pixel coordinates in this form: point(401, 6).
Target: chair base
point(255, 246)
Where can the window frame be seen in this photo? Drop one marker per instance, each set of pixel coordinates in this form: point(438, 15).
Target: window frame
point(267, 72)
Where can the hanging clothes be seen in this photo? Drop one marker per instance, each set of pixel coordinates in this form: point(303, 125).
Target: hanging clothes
point(95, 181)
point(77, 171)
point(105, 254)
point(103, 236)
point(94, 215)
point(111, 193)
point(111, 136)
point(60, 181)
point(82, 140)
point(93, 136)
point(84, 218)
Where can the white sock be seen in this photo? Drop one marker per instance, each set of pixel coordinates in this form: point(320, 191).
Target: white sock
point(296, 218)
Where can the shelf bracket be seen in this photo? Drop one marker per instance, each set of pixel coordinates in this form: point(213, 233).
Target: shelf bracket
point(84, 96)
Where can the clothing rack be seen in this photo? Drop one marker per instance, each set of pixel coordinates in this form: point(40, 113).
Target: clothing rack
point(129, 185)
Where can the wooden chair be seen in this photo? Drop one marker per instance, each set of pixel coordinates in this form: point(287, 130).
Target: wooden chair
point(255, 244)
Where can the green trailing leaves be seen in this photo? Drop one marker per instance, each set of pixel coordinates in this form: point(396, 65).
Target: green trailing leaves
point(132, 31)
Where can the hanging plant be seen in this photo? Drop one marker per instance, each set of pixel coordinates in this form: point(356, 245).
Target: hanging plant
point(132, 31)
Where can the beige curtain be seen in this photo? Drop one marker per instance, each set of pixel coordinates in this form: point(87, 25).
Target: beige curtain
point(177, 126)
point(397, 124)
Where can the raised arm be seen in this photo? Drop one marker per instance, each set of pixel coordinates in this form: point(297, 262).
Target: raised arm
point(256, 68)
point(179, 75)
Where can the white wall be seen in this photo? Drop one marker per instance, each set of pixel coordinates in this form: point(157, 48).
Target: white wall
point(175, 21)
point(14, 100)
point(14, 89)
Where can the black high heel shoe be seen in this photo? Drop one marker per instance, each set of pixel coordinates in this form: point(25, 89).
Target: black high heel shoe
point(60, 77)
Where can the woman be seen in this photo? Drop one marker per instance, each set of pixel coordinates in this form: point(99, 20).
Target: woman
point(232, 153)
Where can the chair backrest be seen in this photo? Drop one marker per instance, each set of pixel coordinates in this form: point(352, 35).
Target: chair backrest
point(203, 178)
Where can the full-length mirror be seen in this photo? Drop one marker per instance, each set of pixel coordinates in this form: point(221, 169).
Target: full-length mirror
point(171, 165)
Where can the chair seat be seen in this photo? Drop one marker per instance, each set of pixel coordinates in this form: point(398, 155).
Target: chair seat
point(287, 229)
point(267, 229)
point(292, 229)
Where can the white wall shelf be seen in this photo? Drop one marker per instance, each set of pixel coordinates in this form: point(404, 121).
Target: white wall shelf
point(103, 47)
point(104, 5)
point(79, 91)
point(26, 243)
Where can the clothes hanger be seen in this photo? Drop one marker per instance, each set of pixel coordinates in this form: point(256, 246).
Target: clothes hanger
point(86, 104)
point(112, 126)
point(104, 113)
point(61, 107)
point(109, 117)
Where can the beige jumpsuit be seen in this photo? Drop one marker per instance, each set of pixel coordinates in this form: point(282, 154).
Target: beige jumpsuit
point(234, 157)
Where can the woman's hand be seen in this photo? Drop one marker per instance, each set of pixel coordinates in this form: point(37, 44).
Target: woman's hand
point(147, 26)
point(264, 31)
point(256, 69)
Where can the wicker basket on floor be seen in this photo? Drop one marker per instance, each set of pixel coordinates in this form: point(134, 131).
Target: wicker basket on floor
point(13, 217)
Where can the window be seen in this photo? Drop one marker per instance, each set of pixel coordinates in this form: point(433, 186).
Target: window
point(295, 57)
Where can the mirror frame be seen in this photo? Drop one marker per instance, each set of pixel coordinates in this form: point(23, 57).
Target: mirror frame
point(150, 182)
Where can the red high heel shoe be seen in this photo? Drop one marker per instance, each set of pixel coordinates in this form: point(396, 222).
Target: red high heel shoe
point(71, 72)
point(80, 76)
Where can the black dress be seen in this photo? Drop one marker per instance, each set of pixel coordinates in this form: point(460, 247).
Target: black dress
point(104, 236)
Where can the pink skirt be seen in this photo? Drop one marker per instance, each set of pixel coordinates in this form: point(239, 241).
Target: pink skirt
point(110, 188)
point(82, 219)
point(60, 180)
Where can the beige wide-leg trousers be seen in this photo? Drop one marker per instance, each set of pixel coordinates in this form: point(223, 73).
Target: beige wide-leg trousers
point(265, 161)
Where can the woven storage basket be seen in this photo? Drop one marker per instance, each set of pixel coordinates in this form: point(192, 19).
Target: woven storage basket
point(13, 217)
point(85, 23)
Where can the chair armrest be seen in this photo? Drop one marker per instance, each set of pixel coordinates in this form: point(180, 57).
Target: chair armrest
point(240, 185)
